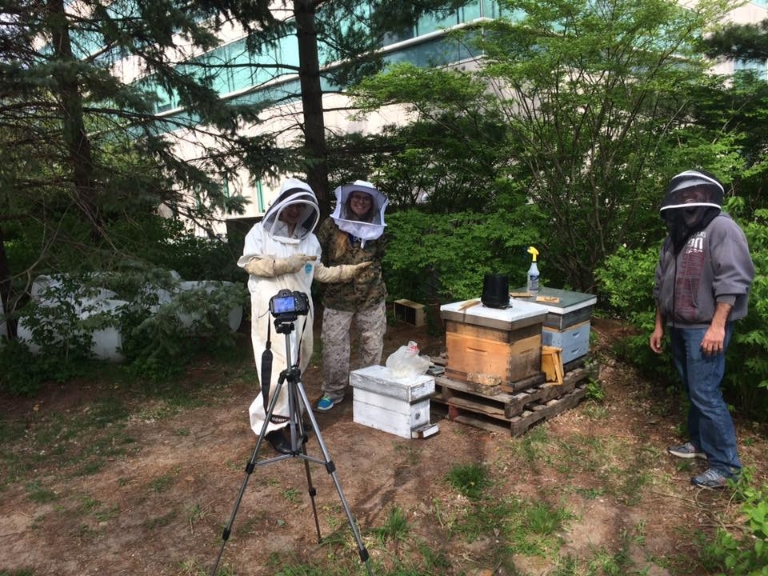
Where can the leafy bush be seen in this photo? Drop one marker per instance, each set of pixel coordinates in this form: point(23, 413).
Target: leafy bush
point(627, 279)
point(743, 550)
point(61, 323)
point(162, 326)
point(747, 377)
point(157, 343)
point(20, 371)
point(444, 257)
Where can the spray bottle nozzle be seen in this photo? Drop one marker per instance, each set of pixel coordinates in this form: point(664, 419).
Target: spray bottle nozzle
point(532, 251)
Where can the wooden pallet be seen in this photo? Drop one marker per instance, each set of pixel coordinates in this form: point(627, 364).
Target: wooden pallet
point(521, 424)
point(515, 412)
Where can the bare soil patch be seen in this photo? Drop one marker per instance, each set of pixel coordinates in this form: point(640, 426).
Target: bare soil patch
point(158, 503)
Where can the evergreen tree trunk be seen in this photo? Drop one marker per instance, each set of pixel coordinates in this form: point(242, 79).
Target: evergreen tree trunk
point(78, 145)
point(5, 286)
point(312, 103)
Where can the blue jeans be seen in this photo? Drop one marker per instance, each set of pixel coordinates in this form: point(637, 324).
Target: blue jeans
point(709, 422)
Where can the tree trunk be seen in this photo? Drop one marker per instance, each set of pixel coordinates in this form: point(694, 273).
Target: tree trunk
point(312, 103)
point(76, 138)
point(5, 287)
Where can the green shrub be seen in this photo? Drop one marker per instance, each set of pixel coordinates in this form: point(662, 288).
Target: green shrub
point(20, 372)
point(162, 326)
point(62, 337)
point(443, 257)
point(627, 279)
point(156, 343)
point(742, 550)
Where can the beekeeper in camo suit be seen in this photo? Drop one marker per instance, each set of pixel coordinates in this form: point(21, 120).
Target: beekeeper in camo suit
point(282, 253)
point(353, 234)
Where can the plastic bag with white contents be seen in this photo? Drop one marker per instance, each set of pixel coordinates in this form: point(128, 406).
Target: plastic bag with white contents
point(405, 362)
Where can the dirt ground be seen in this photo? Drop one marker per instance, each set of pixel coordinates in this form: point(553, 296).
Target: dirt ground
point(160, 508)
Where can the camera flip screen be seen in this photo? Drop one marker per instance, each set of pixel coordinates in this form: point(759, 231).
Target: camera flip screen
point(284, 304)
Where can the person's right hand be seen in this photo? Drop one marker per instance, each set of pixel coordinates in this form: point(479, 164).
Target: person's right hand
point(292, 264)
point(657, 336)
point(339, 273)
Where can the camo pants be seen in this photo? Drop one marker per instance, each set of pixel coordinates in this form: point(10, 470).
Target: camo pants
point(371, 325)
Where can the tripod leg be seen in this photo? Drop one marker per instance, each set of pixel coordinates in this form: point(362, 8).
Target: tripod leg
point(312, 491)
point(331, 469)
point(249, 467)
point(299, 432)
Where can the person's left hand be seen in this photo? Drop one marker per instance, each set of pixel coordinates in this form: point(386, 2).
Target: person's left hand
point(713, 341)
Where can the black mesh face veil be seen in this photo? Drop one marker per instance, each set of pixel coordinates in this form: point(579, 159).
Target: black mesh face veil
point(693, 188)
point(692, 200)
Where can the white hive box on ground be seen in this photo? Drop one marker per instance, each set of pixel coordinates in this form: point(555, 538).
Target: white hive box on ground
point(399, 406)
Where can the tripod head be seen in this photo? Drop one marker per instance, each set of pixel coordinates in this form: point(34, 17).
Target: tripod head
point(283, 326)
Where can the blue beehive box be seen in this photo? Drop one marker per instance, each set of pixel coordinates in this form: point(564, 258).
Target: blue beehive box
point(573, 341)
point(567, 325)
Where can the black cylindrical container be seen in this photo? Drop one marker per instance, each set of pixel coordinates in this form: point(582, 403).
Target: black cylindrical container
point(495, 291)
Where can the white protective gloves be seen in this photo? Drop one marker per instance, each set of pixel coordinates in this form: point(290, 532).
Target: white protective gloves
point(340, 273)
point(278, 266)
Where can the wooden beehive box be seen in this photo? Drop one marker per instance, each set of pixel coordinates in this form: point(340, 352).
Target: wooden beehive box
point(490, 345)
point(409, 312)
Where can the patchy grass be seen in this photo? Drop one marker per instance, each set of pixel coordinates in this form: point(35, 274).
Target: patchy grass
point(141, 469)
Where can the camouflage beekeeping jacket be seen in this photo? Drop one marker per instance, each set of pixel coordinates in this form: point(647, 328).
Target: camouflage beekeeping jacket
point(368, 287)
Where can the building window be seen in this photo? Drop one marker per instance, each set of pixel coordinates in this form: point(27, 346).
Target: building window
point(756, 68)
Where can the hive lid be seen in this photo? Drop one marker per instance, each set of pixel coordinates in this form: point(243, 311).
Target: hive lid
point(569, 301)
point(379, 380)
point(521, 313)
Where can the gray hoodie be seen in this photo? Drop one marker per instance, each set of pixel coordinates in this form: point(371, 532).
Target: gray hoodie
point(713, 266)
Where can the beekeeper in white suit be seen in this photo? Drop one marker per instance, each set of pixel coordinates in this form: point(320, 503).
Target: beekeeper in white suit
point(282, 253)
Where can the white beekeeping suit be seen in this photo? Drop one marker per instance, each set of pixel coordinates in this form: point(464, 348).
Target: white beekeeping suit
point(282, 253)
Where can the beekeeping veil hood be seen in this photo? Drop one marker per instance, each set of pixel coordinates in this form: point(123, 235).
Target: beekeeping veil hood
point(293, 192)
point(692, 200)
point(347, 221)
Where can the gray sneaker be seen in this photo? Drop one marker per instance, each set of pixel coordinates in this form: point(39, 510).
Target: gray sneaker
point(686, 450)
point(711, 479)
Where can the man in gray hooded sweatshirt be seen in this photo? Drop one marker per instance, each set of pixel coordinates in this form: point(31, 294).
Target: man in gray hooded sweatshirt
point(702, 286)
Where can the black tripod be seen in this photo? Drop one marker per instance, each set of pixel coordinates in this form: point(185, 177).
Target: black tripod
point(297, 397)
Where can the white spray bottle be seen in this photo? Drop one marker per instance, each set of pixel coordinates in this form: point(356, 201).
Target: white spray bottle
point(533, 273)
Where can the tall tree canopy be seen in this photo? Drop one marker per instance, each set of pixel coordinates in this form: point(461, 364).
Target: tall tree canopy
point(83, 150)
point(339, 43)
point(100, 97)
point(592, 96)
